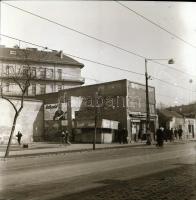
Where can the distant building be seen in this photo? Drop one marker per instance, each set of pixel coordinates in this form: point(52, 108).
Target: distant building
point(172, 119)
point(53, 70)
point(119, 101)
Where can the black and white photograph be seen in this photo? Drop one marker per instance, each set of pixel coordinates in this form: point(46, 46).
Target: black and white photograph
point(97, 100)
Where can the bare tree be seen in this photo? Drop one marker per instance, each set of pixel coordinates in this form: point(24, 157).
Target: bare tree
point(21, 76)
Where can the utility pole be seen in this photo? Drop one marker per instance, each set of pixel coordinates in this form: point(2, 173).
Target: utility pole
point(147, 105)
point(148, 136)
point(96, 119)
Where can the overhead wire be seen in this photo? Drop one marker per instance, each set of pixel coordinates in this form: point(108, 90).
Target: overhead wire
point(95, 62)
point(156, 24)
point(94, 38)
point(81, 58)
point(74, 30)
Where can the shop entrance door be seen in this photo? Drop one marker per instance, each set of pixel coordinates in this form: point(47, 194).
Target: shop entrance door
point(191, 130)
point(193, 134)
point(135, 126)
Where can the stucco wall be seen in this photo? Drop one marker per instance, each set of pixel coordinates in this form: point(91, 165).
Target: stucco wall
point(30, 121)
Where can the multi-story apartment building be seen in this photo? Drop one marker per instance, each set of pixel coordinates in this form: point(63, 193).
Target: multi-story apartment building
point(52, 70)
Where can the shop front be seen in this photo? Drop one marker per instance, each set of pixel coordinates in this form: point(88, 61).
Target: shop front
point(190, 125)
point(84, 131)
point(138, 126)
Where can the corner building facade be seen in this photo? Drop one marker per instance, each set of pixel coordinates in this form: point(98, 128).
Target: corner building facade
point(119, 101)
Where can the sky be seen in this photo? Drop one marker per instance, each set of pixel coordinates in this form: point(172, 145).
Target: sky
point(113, 23)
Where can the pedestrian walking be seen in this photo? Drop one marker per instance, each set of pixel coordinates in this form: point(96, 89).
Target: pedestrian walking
point(180, 131)
point(124, 134)
point(160, 137)
point(67, 137)
point(19, 136)
point(171, 135)
point(120, 138)
point(63, 137)
point(175, 133)
point(140, 134)
point(166, 134)
point(148, 137)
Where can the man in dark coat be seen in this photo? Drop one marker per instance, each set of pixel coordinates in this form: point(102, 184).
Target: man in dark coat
point(124, 135)
point(175, 133)
point(160, 137)
point(19, 136)
point(180, 131)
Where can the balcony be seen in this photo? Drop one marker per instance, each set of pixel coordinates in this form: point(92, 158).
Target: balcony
point(48, 79)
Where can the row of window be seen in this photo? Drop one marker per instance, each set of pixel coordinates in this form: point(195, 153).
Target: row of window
point(33, 88)
point(43, 72)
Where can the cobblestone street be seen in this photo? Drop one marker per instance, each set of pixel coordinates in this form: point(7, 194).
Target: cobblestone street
point(137, 173)
point(175, 184)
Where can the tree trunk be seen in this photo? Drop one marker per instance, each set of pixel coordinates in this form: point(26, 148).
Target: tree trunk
point(11, 135)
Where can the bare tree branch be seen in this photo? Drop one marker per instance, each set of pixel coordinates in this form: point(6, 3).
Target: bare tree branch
point(22, 104)
point(21, 77)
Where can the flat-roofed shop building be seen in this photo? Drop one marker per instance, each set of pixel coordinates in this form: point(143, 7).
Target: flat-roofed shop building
point(52, 70)
point(175, 119)
point(119, 101)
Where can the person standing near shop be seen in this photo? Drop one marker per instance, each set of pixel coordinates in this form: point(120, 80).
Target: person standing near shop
point(67, 137)
point(160, 137)
point(124, 135)
point(63, 136)
point(180, 131)
point(175, 133)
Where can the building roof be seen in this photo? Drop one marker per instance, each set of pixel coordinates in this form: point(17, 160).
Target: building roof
point(34, 55)
point(170, 114)
point(108, 83)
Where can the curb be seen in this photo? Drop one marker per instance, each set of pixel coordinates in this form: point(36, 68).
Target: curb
point(84, 150)
point(71, 151)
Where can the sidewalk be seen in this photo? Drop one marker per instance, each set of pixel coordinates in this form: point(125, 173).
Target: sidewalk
point(44, 148)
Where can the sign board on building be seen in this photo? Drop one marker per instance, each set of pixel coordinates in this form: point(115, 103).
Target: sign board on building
point(104, 123)
point(56, 111)
point(137, 98)
point(76, 103)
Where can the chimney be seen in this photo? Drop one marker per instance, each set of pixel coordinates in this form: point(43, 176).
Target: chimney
point(61, 54)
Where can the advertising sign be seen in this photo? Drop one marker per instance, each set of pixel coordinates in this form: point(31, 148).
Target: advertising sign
point(104, 123)
point(56, 111)
point(76, 103)
point(137, 98)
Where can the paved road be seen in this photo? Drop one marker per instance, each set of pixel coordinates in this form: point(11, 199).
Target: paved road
point(129, 174)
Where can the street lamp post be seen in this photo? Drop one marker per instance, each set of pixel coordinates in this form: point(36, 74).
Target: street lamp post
point(148, 137)
point(148, 141)
point(96, 119)
point(190, 81)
